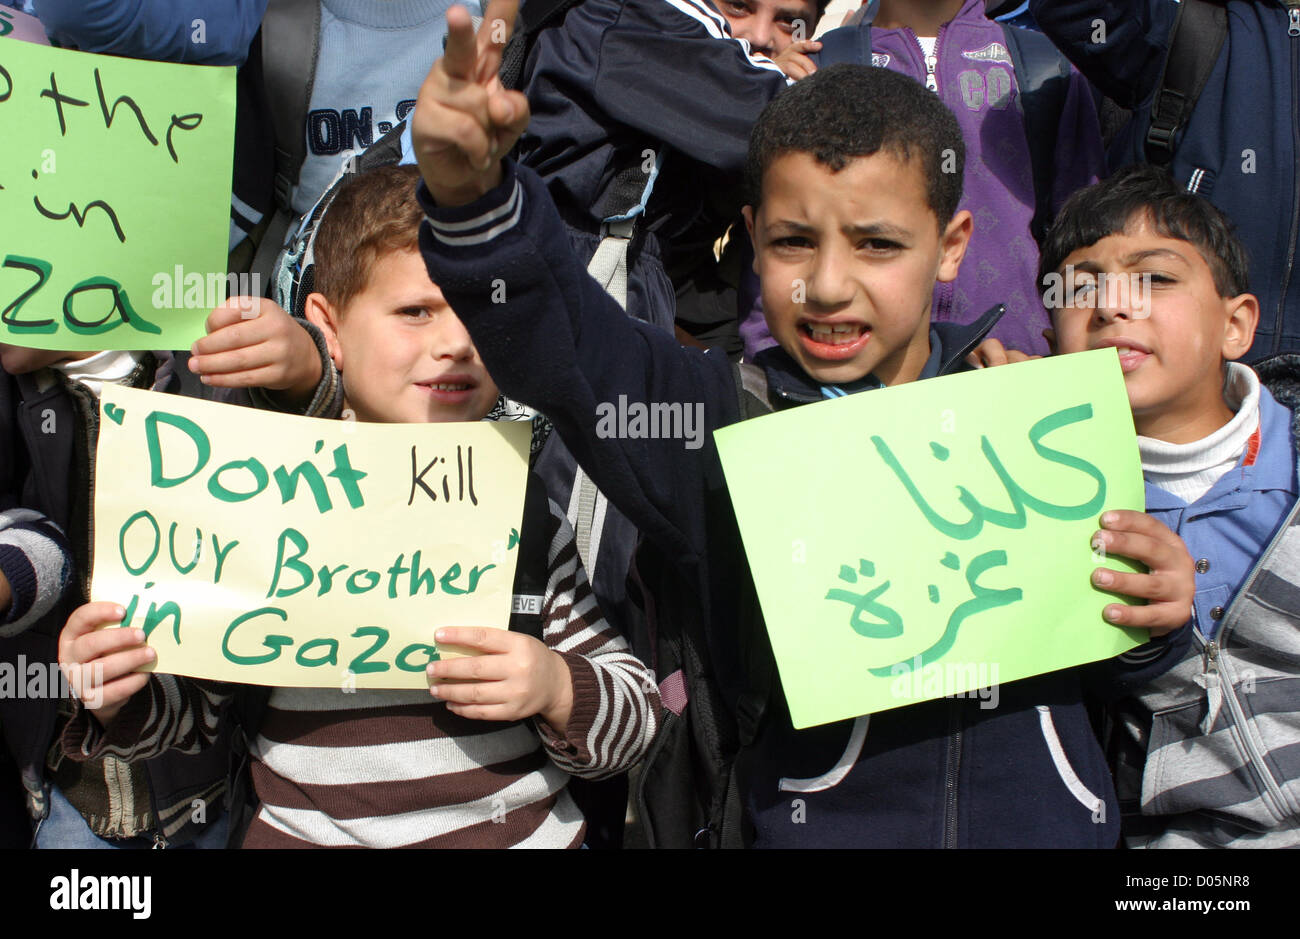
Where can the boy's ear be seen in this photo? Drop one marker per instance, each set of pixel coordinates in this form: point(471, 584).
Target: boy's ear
point(953, 242)
point(325, 318)
point(748, 212)
point(1239, 331)
point(1050, 335)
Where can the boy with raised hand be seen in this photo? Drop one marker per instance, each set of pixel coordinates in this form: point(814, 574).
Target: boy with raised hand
point(50, 399)
point(1210, 729)
point(393, 768)
point(850, 204)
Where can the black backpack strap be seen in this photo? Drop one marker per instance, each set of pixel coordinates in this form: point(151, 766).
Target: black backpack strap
point(246, 711)
point(531, 568)
point(751, 390)
point(1200, 28)
point(534, 16)
point(851, 44)
point(1043, 77)
point(290, 49)
point(290, 38)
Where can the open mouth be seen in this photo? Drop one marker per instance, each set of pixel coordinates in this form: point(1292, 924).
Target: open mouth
point(833, 340)
point(449, 390)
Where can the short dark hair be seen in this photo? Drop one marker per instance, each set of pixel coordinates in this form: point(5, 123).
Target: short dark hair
point(846, 111)
point(1145, 191)
point(374, 213)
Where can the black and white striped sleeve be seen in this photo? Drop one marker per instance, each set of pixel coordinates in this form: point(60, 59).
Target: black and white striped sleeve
point(615, 698)
point(36, 562)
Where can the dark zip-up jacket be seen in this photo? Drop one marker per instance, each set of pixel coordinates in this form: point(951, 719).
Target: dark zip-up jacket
point(1027, 773)
point(623, 77)
point(1240, 147)
point(47, 461)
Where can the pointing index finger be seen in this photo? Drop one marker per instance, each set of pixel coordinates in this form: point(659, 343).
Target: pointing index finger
point(460, 58)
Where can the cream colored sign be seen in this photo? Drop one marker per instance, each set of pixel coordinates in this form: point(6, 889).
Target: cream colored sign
point(291, 551)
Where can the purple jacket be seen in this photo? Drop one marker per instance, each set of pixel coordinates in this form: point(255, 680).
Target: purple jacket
point(975, 78)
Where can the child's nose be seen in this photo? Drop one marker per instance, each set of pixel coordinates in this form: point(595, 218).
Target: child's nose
point(829, 282)
point(762, 36)
point(452, 341)
point(1117, 298)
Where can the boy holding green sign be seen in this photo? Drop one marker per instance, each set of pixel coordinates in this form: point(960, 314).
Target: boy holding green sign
point(1211, 747)
point(557, 695)
point(855, 175)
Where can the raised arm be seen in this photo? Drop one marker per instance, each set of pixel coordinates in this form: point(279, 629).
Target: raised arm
point(671, 68)
point(1119, 45)
point(548, 334)
point(195, 32)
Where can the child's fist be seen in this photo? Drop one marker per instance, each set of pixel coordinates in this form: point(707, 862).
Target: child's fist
point(517, 676)
point(465, 120)
point(101, 665)
point(1169, 586)
point(253, 343)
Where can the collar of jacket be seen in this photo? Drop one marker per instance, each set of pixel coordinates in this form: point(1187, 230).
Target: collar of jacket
point(789, 384)
point(1280, 374)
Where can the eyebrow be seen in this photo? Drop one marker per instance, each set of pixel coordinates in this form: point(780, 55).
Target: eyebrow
point(427, 300)
point(874, 229)
point(1134, 259)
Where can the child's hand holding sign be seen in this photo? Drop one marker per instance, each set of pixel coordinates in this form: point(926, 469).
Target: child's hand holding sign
point(517, 676)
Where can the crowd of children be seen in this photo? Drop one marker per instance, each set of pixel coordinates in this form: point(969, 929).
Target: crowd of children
point(921, 174)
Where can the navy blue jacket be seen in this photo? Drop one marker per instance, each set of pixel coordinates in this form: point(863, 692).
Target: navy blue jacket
point(1241, 146)
point(948, 772)
point(621, 77)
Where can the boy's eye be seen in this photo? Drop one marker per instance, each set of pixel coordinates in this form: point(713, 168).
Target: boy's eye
point(415, 312)
point(879, 245)
point(1084, 291)
point(736, 8)
point(791, 241)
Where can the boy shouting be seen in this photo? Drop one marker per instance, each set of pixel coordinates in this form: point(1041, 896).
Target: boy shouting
point(853, 221)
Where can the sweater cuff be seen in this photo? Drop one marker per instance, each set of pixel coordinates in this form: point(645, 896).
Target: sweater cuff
point(571, 746)
point(479, 222)
point(327, 401)
point(84, 738)
point(1157, 647)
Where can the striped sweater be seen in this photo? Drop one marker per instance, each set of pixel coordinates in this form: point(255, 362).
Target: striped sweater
point(1210, 749)
point(373, 768)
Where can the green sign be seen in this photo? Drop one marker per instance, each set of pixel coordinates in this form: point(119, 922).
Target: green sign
point(114, 198)
point(935, 539)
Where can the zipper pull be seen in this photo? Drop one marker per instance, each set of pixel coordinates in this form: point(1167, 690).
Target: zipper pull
point(1210, 680)
point(932, 63)
point(1293, 22)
